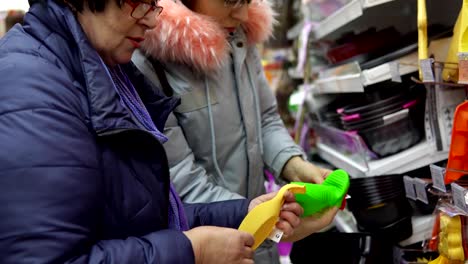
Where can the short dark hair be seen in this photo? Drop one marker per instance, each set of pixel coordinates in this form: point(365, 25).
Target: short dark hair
point(93, 5)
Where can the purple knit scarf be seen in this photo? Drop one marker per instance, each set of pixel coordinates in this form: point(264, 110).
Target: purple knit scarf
point(132, 101)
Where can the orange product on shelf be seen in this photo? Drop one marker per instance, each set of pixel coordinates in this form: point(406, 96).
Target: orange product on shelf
point(457, 165)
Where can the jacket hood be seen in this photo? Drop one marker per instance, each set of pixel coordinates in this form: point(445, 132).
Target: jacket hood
point(183, 36)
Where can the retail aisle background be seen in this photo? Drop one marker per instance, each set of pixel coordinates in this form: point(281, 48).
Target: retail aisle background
point(6, 5)
point(14, 4)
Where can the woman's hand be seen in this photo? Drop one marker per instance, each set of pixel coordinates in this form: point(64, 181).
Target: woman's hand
point(312, 224)
point(213, 245)
point(289, 217)
point(299, 170)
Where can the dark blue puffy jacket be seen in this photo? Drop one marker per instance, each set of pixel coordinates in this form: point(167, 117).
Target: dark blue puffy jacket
point(80, 182)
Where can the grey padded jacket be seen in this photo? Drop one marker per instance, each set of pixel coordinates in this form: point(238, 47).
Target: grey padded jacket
point(227, 128)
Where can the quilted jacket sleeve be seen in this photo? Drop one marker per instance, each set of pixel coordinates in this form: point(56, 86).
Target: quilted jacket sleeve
point(190, 178)
point(225, 213)
point(278, 145)
point(50, 184)
point(192, 181)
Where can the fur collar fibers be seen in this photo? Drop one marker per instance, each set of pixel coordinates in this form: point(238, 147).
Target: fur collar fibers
point(183, 36)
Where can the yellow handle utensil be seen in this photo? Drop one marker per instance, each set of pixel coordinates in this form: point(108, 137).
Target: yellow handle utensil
point(463, 37)
point(463, 46)
point(422, 33)
point(262, 219)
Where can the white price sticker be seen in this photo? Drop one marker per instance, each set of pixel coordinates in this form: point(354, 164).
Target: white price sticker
point(409, 188)
point(276, 235)
point(459, 197)
point(426, 69)
point(420, 187)
point(395, 71)
point(438, 177)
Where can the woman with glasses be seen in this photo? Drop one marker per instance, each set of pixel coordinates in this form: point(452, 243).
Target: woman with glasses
point(84, 177)
point(226, 130)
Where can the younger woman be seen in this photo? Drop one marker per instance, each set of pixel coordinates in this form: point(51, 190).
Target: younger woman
point(226, 130)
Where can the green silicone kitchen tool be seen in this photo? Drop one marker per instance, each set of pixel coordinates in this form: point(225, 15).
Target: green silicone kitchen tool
point(319, 197)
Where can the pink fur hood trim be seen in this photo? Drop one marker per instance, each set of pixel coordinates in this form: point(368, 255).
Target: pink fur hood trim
point(183, 36)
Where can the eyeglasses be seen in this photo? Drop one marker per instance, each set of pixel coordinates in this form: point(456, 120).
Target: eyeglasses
point(141, 8)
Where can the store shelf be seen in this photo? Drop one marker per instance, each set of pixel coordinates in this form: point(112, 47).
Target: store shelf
point(343, 16)
point(415, 157)
point(406, 65)
point(356, 80)
point(422, 229)
point(350, 83)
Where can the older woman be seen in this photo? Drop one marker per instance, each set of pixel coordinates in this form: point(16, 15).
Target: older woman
point(227, 129)
point(84, 176)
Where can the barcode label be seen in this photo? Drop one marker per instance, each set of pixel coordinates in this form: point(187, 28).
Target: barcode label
point(420, 187)
point(276, 235)
point(438, 177)
point(409, 188)
point(459, 197)
point(426, 69)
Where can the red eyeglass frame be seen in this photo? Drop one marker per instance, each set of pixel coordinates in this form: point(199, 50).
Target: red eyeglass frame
point(154, 7)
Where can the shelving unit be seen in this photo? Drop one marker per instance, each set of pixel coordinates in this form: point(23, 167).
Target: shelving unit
point(383, 72)
point(355, 82)
point(348, 13)
point(415, 157)
point(342, 17)
point(350, 83)
point(358, 16)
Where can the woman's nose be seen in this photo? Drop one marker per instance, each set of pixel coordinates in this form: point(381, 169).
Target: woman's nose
point(241, 13)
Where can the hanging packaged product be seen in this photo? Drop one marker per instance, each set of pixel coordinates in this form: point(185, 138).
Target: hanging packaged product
point(463, 45)
point(458, 154)
point(450, 234)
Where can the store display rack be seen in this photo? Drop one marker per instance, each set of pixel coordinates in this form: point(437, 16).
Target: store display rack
point(357, 80)
point(343, 16)
point(351, 78)
point(415, 157)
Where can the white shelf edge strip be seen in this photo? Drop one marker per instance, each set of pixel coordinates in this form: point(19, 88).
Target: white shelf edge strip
point(411, 158)
point(371, 3)
point(367, 77)
point(348, 13)
point(343, 16)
